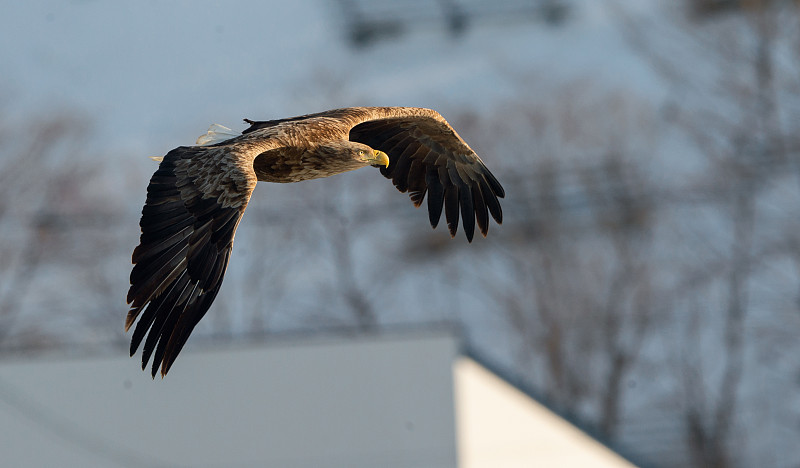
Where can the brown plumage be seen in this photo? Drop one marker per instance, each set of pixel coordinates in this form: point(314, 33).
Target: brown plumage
point(197, 197)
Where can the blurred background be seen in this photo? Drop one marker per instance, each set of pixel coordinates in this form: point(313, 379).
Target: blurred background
point(645, 280)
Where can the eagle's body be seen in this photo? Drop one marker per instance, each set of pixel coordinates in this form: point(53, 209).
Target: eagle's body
point(198, 195)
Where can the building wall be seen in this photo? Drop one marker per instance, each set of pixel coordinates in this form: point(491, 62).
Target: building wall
point(363, 402)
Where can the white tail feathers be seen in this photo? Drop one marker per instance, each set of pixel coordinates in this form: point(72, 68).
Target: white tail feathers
point(215, 134)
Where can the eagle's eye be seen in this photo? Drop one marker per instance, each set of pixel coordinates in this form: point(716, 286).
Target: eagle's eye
point(361, 152)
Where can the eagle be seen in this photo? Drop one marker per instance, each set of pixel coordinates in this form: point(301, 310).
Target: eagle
point(198, 194)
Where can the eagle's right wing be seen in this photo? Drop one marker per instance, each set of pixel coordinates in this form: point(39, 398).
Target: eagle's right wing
point(194, 203)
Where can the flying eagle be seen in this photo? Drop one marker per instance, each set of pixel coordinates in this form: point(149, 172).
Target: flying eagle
point(197, 197)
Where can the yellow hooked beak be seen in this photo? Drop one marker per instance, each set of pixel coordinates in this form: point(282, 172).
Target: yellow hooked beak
point(379, 158)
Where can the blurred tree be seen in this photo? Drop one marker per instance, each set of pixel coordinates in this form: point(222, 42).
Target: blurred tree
point(740, 113)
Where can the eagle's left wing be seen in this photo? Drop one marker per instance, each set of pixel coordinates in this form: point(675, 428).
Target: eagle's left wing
point(426, 155)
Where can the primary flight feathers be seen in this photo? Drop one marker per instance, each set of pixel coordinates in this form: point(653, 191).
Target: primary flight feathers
point(197, 196)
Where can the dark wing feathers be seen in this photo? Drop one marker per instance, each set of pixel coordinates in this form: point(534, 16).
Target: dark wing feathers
point(427, 157)
point(481, 211)
point(184, 248)
point(435, 194)
point(451, 208)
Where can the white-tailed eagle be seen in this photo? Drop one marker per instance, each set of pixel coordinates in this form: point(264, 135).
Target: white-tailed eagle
point(197, 196)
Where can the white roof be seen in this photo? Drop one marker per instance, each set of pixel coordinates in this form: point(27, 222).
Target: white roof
point(501, 427)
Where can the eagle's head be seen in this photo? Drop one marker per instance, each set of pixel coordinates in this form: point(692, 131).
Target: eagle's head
point(373, 157)
point(352, 154)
